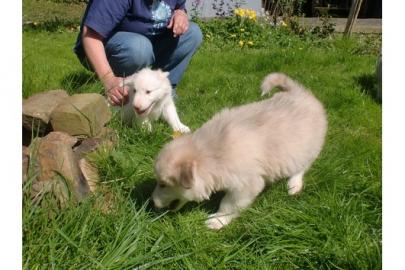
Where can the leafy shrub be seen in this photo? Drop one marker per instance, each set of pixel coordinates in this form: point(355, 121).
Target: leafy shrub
point(282, 8)
point(245, 30)
point(326, 29)
point(242, 29)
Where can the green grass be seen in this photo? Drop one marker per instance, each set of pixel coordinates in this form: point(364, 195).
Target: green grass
point(334, 224)
point(41, 11)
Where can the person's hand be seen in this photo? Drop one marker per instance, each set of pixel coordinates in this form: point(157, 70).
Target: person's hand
point(179, 22)
point(116, 94)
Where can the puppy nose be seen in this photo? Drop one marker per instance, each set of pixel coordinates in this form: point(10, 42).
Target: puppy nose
point(137, 109)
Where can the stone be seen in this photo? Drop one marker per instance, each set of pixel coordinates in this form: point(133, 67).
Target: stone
point(57, 168)
point(107, 139)
point(61, 137)
point(87, 146)
point(81, 115)
point(25, 162)
point(37, 109)
point(90, 173)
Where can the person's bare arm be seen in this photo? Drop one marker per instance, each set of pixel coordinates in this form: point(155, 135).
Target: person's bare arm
point(95, 52)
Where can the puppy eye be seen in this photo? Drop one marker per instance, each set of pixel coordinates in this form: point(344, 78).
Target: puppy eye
point(162, 185)
point(148, 92)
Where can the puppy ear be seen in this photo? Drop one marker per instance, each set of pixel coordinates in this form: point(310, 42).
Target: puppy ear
point(163, 74)
point(186, 177)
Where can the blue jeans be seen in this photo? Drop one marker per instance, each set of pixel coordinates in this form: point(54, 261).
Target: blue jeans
point(129, 52)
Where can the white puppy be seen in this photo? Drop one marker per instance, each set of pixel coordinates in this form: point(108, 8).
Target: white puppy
point(150, 96)
point(241, 149)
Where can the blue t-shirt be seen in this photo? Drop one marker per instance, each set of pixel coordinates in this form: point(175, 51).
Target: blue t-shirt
point(147, 17)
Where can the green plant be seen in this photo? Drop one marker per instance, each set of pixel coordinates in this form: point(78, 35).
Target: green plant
point(283, 8)
point(326, 29)
point(242, 29)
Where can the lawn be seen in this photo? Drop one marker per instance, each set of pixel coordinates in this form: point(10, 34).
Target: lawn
point(335, 223)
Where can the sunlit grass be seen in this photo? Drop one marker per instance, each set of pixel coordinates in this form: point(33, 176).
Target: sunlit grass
point(334, 224)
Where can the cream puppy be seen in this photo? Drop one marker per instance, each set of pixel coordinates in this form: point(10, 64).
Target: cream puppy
point(150, 96)
point(242, 149)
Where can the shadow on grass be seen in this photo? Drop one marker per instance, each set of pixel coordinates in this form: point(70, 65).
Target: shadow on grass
point(210, 206)
point(369, 84)
point(142, 193)
point(79, 81)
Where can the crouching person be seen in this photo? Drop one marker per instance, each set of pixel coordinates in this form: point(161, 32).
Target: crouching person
point(120, 37)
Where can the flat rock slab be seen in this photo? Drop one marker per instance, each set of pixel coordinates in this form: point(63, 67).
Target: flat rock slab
point(57, 167)
point(81, 115)
point(38, 108)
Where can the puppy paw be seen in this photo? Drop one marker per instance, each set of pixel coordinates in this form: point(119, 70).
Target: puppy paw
point(295, 184)
point(184, 129)
point(216, 222)
point(294, 190)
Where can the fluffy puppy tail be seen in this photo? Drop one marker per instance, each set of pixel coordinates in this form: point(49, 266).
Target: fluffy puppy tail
point(281, 80)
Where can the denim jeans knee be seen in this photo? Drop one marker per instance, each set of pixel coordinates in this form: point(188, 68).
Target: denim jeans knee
point(129, 52)
point(195, 35)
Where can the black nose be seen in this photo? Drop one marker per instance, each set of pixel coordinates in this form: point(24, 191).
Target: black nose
point(173, 205)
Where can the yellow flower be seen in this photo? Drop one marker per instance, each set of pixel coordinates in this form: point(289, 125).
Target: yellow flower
point(176, 134)
point(250, 43)
point(246, 13)
point(242, 29)
point(252, 15)
point(241, 42)
point(239, 12)
point(283, 23)
point(233, 36)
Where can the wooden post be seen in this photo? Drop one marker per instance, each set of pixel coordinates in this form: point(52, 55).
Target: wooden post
point(354, 12)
